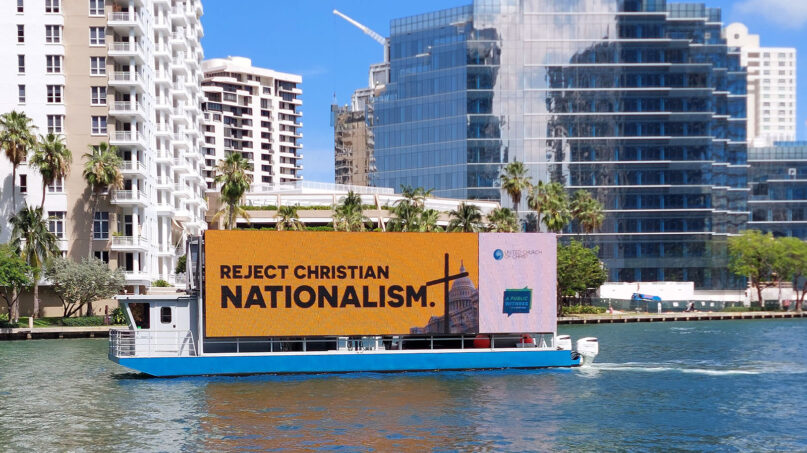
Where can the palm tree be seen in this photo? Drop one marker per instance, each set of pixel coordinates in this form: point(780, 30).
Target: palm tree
point(416, 195)
point(233, 175)
point(428, 221)
point(287, 219)
point(556, 208)
point(515, 181)
point(349, 215)
point(102, 171)
point(35, 244)
point(53, 160)
point(587, 211)
point(503, 220)
point(551, 203)
point(467, 218)
point(406, 216)
point(16, 138)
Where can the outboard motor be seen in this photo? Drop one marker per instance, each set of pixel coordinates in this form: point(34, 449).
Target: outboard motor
point(588, 348)
point(563, 342)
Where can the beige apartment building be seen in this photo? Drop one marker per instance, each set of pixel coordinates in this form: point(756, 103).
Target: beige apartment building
point(771, 100)
point(123, 72)
point(255, 112)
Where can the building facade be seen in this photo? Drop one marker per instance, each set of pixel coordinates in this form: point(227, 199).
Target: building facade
point(778, 180)
point(771, 101)
point(126, 73)
point(353, 145)
point(255, 112)
point(639, 102)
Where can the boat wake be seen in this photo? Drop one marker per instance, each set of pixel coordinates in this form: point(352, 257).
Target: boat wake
point(716, 370)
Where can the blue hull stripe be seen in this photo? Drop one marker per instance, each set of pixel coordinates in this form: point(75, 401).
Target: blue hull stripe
point(346, 363)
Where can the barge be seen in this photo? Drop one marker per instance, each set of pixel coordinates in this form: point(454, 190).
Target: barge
point(316, 302)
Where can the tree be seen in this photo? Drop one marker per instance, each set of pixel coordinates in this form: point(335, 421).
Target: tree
point(349, 214)
point(791, 264)
point(515, 182)
point(15, 276)
point(556, 208)
point(428, 221)
point(502, 220)
point(233, 175)
point(416, 195)
point(405, 216)
point(182, 262)
point(287, 219)
point(467, 218)
point(102, 171)
point(579, 270)
point(80, 284)
point(53, 160)
point(35, 244)
point(16, 138)
point(587, 211)
point(753, 255)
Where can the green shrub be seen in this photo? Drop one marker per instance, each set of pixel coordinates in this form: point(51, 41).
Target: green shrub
point(182, 261)
point(83, 321)
point(742, 309)
point(4, 324)
point(117, 316)
point(581, 310)
point(160, 283)
point(319, 228)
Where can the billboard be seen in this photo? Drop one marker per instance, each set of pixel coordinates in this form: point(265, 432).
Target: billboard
point(267, 283)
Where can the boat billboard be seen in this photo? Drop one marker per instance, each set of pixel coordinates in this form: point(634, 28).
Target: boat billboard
point(267, 283)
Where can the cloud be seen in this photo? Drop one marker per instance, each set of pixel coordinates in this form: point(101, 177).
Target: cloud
point(787, 13)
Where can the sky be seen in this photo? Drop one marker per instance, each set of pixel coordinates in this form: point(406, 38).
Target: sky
point(304, 37)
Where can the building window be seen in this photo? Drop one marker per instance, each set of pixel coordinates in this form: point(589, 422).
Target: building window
point(21, 94)
point(57, 186)
point(97, 36)
point(100, 225)
point(97, 65)
point(53, 64)
point(21, 64)
point(55, 94)
point(96, 7)
point(55, 124)
point(98, 125)
point(102, 255)
point(53, 34)
point(98, 95)
point(23, 183)
point(20, 6)
point(56, 223)
point(20, 34)
point(53, 6)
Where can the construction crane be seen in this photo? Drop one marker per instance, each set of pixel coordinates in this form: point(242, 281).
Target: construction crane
point(378, 38)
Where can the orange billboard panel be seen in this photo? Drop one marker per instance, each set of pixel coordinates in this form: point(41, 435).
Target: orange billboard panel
point(267, 283)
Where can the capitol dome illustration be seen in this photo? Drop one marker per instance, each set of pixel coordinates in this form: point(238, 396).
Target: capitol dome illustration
point(463, 309)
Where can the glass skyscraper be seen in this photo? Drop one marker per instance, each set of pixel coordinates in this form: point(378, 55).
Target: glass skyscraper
point(639, 102)
point(778, 176)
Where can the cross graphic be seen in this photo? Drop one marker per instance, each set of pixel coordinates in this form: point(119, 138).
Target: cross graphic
point(445, 281)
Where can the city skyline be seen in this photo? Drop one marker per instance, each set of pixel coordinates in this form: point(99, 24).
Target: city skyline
point(340, 66)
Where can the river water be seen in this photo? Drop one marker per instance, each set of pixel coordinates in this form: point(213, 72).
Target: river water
point(705, 386)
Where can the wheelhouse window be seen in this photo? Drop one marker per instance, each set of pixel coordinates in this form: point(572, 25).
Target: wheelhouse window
point(165, 315)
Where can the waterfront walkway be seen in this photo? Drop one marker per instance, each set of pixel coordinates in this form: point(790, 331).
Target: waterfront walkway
point(23, 333)
point(606, 318)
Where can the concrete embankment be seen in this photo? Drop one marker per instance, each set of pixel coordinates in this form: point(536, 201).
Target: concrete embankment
point(54, 332)
point(606, 318)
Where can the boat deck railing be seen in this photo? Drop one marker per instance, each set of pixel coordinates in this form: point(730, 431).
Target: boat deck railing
point(376, 343)
point(151, 343)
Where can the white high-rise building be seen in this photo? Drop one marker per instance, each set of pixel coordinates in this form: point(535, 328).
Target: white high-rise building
point(126, 72)
point(255, 112)
point(771, 87)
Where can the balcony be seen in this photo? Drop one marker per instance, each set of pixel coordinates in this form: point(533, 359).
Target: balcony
point(181, 190)
point(163, 157)
point(178, 15)
point(125, 20)
point(137, 277)
point(126, 108)
point(163, 182)
point(164, 209)
point(162, 78)
point(129, 243)
point(130, 198)
point(126, 79)
point(127, 138)
point(180, 140)
point(183, 215)
point(131, 167)
point(127, 50)
point(181, 166)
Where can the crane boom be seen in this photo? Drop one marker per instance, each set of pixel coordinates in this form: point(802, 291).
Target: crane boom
point(378, 38)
